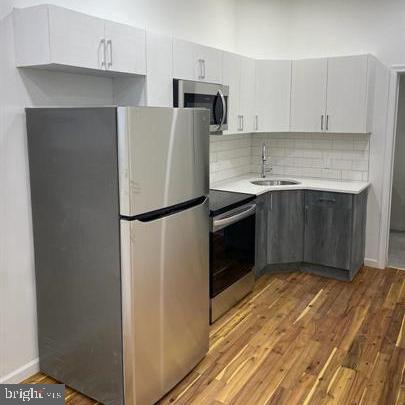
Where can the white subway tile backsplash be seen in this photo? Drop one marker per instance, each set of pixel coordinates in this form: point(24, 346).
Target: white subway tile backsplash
point(230, 156)
point(332, 156)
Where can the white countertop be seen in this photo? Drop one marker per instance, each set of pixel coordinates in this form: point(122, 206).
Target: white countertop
point(243, 185)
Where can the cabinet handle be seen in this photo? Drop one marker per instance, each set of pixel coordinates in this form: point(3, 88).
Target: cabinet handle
point(271, 201)
point(102, 44)
point(306, 215)
point(256, 122)
point(327, 200)
point(239, 123)
point(200, 63)
point(327, 122)
point(243, 122)
point(322, 122)
point(203, 63)
point(109, 46)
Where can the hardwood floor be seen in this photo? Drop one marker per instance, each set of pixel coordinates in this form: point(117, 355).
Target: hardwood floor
point(302, 339)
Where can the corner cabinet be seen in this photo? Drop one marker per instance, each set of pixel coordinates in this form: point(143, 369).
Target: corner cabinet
point(272, 96)
point(332, 94)
point(53, 37)
point(196, 62)
point(314, 231)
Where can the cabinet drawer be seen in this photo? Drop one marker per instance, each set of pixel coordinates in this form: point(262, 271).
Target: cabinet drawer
point(327, 199)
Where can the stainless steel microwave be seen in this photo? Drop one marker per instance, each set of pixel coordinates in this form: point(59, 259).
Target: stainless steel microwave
point(214, 97)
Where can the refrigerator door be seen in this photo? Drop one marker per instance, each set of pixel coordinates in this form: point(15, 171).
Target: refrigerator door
point(165, 275)
point(163, 157)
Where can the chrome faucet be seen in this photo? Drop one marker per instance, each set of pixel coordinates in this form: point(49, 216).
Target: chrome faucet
point(264, 159)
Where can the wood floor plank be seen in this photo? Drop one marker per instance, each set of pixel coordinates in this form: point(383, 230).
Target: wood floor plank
point(301, 339)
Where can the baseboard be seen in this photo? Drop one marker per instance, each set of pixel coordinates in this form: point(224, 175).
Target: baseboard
point(22, 373)
point(372, 263)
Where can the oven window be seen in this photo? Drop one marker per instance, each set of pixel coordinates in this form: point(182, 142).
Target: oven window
point(232, 252)
point(211, 102)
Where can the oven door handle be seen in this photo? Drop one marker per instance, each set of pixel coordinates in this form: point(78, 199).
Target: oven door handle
point(221, 95)
point(218, 224)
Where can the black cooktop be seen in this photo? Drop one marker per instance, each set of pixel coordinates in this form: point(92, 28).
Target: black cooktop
point(222, 201)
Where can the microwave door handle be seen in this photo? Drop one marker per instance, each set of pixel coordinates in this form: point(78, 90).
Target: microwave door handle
point(223, 222)
point(221, 95)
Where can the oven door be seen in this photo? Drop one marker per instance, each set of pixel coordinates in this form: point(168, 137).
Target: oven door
point(232, 247)
point(214, 97)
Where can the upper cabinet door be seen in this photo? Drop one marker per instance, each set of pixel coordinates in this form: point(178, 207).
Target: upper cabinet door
point(75, 39)
point(308, 95)
point(159, 75)
point(183, 60)
point(208, 64)
point(273, 95)
point(247, 94)
point(196, 62)
point(231, 78)
point(347, 94)
point(125, 48)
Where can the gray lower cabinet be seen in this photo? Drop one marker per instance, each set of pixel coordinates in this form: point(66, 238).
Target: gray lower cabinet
point(261, 233)
point(328, 234)
point(316, 231)
point(285, 227)
point(335, 230)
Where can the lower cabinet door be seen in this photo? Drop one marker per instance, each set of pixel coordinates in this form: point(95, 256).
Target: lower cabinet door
point(285, 229)
point(328, 226)
point(261, 233)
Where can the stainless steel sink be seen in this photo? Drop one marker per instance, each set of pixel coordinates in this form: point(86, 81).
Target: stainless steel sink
point(274, 182)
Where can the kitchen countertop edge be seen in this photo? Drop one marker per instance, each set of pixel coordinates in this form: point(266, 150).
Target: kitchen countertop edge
point(242, 184)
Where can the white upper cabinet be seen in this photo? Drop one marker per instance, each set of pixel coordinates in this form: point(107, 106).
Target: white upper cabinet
point(196, 62)
point(231, 78)
point(49, 36)
point(346, 109)
point(46, 35)
point(239, 75)
point(332, 94)
point(247, 94)
point(209, 64)
point(125, 48)
point(308, 95)
point(184, 64)
point(159, 75)
point(272, 96)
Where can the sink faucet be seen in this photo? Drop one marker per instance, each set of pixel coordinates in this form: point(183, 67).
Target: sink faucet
point(264, 160)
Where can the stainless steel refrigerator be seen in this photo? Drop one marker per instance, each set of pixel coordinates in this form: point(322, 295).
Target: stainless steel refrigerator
point(121, 229)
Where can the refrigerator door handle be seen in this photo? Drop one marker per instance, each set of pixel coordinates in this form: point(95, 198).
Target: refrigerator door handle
point(165, 212)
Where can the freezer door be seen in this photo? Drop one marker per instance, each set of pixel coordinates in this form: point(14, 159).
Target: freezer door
point(165, 276)
point(163, 157)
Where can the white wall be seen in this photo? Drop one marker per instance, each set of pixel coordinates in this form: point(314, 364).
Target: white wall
point(398, 185)
point(209, 22)
point(313, 28)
